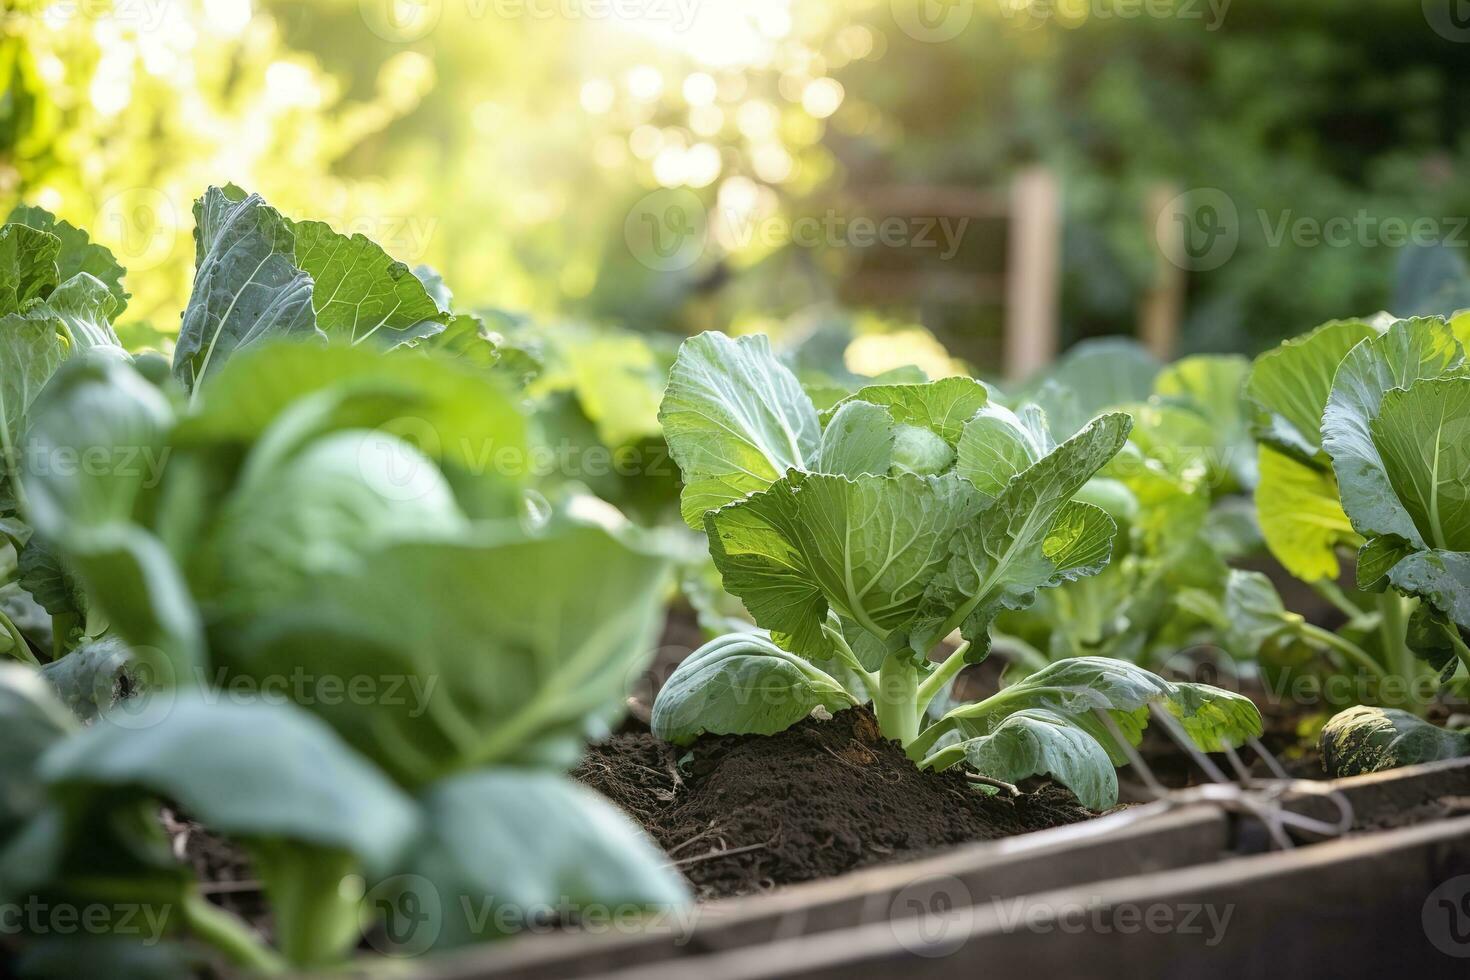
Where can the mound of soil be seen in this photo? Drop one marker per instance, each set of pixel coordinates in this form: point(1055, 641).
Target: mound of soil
point(740, 814)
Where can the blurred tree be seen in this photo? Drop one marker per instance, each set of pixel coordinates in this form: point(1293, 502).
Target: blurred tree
point(117, 117)
point(547, 154)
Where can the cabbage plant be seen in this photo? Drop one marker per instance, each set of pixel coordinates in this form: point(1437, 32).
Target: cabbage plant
point(1174, 493)
point(1366, 739)
point(333, 501)
point(1364, 428)
point(59, 292)
point(860, 538)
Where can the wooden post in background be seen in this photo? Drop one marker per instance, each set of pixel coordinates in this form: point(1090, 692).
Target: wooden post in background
point(1162, 306)
point(1033, 273)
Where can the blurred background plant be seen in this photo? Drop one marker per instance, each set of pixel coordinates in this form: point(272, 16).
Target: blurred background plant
point(510, 144)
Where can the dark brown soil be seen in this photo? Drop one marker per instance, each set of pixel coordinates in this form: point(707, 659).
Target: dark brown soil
point(740, 814)
point(223, 870)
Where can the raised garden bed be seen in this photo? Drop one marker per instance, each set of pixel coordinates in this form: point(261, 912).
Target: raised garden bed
point(340, 704)
point(1377, 923)
point(959, 909)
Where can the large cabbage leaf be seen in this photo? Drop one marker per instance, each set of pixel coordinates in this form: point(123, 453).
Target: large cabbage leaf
point(1049, 722)
point(1300, 515)
point(1033, 535)
point(76, 253)
point(1289, 386)
point(360, 293)
point(865, 547)
point(1410, 351)
point(742, 683)
point(735, 419)
point(551, 843)
point(530, 645)
point(247, 287)
point(1365, 739)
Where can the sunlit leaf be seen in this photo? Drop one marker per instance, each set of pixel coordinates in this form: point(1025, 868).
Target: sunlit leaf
point(1300, 516)
point(942, 406)
point(858, 440)
point(247, 287)
point(360, 293)
point(735, 419)
point(1423, 436)
point(1031, 537)
point(1289, 386)
point(77, 252)
point(1409, 351)
point(864, 547)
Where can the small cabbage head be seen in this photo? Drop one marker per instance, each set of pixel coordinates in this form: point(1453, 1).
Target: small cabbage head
point(919, 451)
point(325, 507)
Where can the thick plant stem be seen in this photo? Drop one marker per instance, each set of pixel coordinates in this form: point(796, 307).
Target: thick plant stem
point(1393, 629)
point(61, 626)
point(231, 937)
point(1344, 646)
point(918, 749)
point(930, 686)
point(1330, 591)
point(898, 689)
point(314, 893)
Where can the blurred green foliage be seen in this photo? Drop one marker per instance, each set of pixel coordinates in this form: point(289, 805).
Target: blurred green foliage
point(1295, 109)
point(511, 144)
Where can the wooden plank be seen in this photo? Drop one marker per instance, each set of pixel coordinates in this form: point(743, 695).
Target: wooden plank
point(991, 870)
point(1380, 798)
point(1162, 306)
point(1356, 907)
point(1033, 273)
point(1408, 785)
